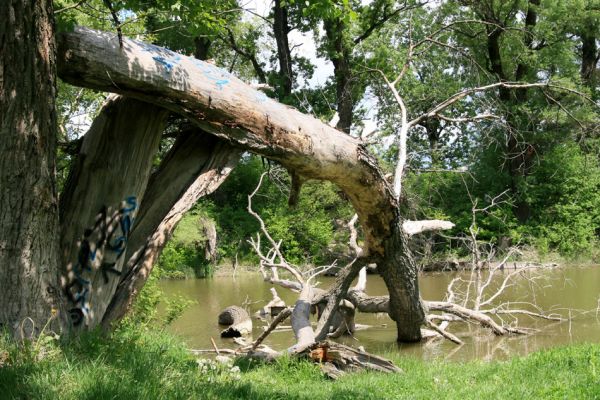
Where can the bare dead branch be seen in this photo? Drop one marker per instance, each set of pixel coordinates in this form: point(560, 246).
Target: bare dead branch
point(282, 316)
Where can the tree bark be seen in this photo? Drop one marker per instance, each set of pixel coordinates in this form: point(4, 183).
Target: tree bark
point(194, 167)
point(405, 303)
point(228, 108)
point(114, 164)
point(29, 279)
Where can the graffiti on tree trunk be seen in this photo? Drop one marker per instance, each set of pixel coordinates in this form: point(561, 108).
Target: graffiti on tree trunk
point(101, 248)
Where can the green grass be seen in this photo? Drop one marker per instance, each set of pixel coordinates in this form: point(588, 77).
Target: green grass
point(154, 365)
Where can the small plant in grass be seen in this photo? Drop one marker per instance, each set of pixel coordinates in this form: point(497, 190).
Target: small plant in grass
point(219, 370)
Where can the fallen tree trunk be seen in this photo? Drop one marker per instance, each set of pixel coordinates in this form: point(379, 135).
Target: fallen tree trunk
point(228, 108)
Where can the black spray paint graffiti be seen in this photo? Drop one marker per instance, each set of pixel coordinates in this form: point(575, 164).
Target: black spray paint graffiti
point(107, 239)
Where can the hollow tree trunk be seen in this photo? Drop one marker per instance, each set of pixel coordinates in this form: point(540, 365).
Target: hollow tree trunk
point(29, 286)
point(194, 167)
point(239, 321)
point(113, 165)
point(228, 108)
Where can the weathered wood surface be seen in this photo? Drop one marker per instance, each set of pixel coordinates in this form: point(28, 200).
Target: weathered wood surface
point(113, 164)
point(230, 109)
point(194, 167)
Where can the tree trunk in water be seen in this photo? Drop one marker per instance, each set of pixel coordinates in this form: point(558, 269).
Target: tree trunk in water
point(239, 321)
point(195, 166)
point(113, 165)
point(29, 278)
point(228, 108)
point(399, 272)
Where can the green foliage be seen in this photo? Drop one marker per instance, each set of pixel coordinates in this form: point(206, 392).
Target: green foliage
point(152, 308)
point(184, 254)
point(557, 184)
point(565, 192)
point(306, 230)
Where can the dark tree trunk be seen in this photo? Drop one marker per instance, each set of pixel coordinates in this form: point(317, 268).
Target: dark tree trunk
point(433, 130)
point(281, 30)
point(194, 167)
point(340, 56)
point(202, 47)
point(590, 56)
point(519, 156)
point(29, 277)
point(97, 208)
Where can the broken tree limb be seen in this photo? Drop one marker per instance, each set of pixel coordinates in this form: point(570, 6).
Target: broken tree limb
point(113, 164)
point(275, 306)
point(228, 108)
point(346, 358)
point(414, 227)
point(303, 331)
point(286, 312)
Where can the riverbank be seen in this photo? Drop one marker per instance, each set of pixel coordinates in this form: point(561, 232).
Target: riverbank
point(531, 259)
point(138, 364)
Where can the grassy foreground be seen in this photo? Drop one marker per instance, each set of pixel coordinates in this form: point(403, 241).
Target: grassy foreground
point(153, 365)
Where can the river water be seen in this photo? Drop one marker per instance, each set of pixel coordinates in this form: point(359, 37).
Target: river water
point(573, 291)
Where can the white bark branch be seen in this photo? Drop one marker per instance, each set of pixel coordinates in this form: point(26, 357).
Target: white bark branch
point(414, 227)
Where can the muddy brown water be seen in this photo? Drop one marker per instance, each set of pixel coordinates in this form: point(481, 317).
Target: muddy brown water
point(571, 291)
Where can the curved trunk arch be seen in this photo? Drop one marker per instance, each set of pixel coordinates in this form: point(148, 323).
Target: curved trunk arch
point(228, 108)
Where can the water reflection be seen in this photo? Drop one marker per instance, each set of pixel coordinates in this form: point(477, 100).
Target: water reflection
point(560, 290)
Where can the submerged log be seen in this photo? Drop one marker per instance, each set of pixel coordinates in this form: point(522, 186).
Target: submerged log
point(239, 321)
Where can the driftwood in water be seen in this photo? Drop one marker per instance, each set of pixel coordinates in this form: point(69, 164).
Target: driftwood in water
point(275, 306)
point(238, 320)
point(286, 312)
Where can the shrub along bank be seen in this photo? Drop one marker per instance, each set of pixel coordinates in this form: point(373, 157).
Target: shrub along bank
point(563, 222)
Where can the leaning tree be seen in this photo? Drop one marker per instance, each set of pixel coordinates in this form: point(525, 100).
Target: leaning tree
point(83, 256)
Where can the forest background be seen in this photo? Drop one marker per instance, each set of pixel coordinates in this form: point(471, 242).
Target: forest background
point(533, 151)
